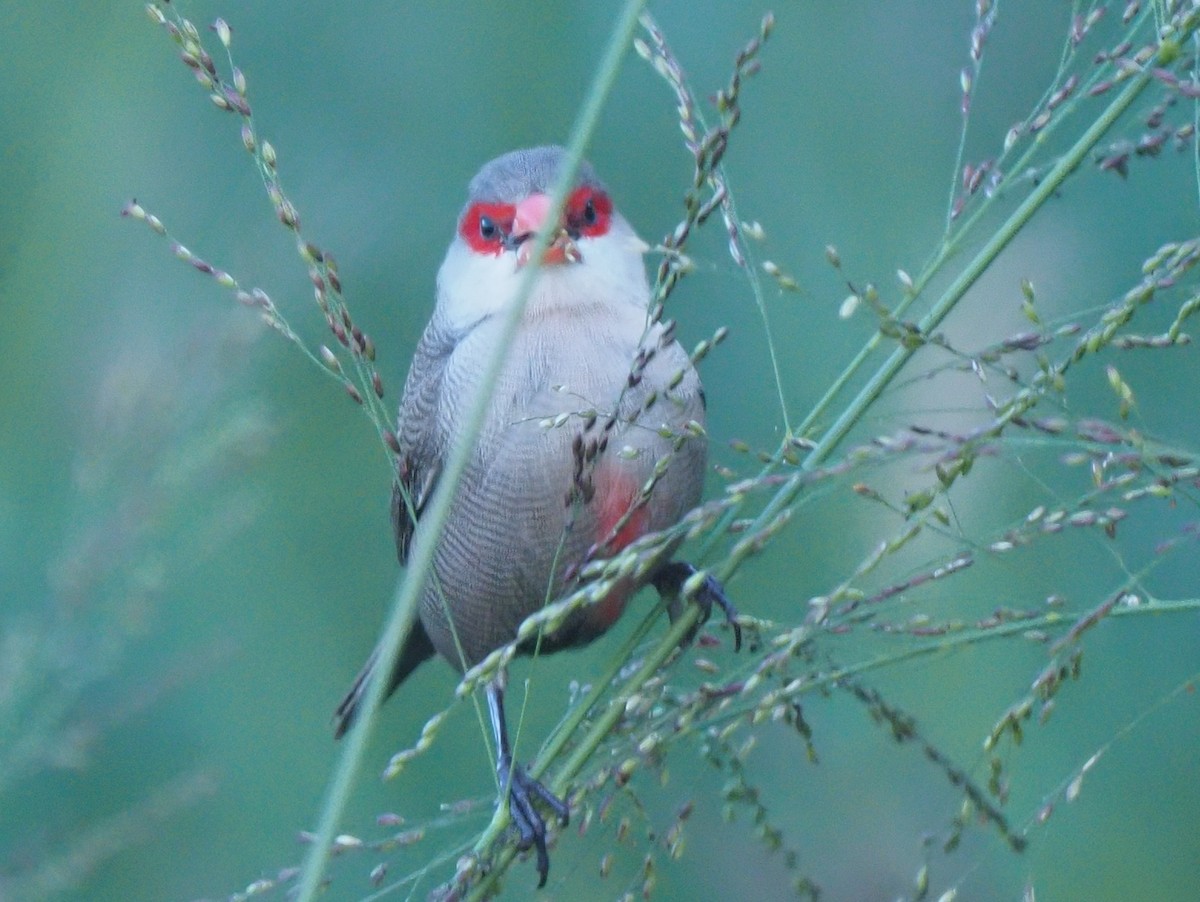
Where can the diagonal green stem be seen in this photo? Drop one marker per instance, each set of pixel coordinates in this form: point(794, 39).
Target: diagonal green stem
point(837, 433)
point(434, 518)
point(418, 570)
point(1020, 217)
point(600, 729)
point(949, 247)
point(986, 256)
point(600, 686)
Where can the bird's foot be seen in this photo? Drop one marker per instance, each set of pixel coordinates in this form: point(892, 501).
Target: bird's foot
point(670, 580)
point(522, 792)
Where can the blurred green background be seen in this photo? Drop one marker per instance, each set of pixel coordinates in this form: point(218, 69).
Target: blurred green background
point(194, 546)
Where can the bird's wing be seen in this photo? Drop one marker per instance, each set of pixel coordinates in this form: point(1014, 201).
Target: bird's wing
point(423, 444)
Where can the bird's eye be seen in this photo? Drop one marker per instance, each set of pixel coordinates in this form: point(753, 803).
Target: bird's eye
point(589, 211)
point(485, 227)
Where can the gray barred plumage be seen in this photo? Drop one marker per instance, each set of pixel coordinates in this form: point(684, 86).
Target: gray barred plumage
point(570, 438)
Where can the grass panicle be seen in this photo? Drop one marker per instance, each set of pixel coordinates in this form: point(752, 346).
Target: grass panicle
point(1123, 94)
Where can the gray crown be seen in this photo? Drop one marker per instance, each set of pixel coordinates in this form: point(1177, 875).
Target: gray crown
point(515, 175)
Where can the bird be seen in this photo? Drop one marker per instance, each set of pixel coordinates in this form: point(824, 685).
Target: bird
point(593, 438)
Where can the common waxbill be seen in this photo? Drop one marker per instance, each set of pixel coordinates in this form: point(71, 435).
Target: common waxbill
point(549, 486)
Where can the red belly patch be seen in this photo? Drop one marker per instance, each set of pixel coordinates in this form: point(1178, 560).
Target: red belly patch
point(616, 528)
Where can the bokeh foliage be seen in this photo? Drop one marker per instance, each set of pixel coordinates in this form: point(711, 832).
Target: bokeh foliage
point(185, 605)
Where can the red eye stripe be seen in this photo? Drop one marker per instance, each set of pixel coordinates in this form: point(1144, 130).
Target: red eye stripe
point(484, 226)
point(589, 211)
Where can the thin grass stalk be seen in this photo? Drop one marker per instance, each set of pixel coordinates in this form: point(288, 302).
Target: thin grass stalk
point(947, 250)
point(434, 519)
point(1046, 189)
point(862, 402)
point(598, 732)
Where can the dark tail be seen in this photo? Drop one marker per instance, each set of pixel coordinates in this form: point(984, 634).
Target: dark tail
point(417, 648)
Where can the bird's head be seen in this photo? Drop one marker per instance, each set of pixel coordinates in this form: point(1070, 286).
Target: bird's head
point(593, 257)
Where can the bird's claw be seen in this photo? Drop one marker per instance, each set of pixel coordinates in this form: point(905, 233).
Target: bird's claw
point(669, 582)
point(712, 592)
point(522, 790)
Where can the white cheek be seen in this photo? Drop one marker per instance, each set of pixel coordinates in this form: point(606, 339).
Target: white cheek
point(615, 262)
point(472, 286)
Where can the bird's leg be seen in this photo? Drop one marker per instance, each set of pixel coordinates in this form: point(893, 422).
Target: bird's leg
point(669, 581)
point(519, 790)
